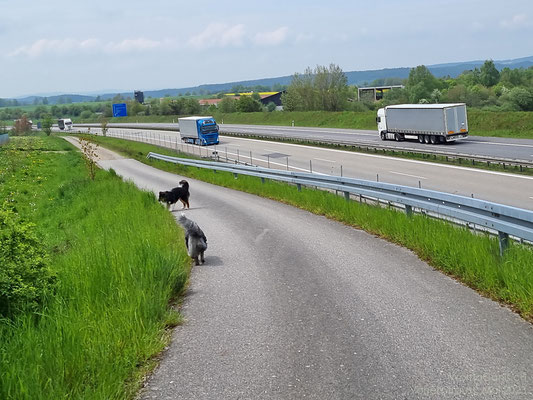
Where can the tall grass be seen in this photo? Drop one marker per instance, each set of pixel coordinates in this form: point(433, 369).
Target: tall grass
point(119, 260)
point(470, 257)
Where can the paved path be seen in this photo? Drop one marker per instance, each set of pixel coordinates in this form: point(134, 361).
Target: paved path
point(290, 305)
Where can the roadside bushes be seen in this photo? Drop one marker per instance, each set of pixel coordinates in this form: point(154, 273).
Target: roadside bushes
point(25, 277)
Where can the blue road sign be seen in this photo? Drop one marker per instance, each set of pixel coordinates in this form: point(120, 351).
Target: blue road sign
point(120, 110)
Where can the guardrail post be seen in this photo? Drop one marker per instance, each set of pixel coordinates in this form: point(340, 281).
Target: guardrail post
point(235, 175)
point(250, 157)
point(347, 196)
point(299, 187)
point(408, 210)
point(503, 239)
point(262, 180)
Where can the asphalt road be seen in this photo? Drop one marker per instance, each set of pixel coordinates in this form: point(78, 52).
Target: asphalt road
point(290, 305)
point(477, 146)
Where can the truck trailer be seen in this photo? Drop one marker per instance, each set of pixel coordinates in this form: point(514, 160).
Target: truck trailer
point(202, 131)
point(429, 123)
point(64, 124)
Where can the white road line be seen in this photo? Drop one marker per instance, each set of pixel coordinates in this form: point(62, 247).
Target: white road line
point(403, 160)
point(323, 159)
point(412, 176)
point(531, 198)
point(507, 144)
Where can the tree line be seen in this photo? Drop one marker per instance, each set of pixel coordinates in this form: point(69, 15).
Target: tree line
point(325, 88)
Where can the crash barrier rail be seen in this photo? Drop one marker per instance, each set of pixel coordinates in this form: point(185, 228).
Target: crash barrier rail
point(4, 138)
point(353, 143)
point(504, 220)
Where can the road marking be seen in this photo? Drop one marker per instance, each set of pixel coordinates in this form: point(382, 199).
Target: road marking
point(400, 160)
point(323, 159)
point(506, 144)
point(531, 198)
point(412, 176)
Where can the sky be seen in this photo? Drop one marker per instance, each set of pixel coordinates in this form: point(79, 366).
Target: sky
point(59, 46)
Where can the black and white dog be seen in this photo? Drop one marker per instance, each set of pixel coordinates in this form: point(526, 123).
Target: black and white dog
point(195, 239)
point(180, 193)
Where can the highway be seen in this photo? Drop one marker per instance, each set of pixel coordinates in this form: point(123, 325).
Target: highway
point(510, 189)
point(478, 146)
point(290, 305)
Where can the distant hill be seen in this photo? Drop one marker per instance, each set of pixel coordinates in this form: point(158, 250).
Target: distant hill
point(354, 78)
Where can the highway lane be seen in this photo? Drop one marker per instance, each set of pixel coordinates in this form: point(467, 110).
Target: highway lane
point(515, 149)
point(290, 305)
point(509, 189)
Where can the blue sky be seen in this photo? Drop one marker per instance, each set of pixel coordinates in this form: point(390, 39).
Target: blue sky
point(62, 46)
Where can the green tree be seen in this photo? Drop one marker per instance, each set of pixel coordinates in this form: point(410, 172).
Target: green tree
point(489, 75)
point(227, 105)
point(421, 84)
point(271, 106)
point(521, 98)
point(47, 124)
point(247, 104)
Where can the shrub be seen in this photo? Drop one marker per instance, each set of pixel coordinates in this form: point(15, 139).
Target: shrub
point(25, 277)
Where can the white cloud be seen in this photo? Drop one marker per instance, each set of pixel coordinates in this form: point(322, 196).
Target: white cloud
point(304, 37)
point(219, 35)
point(272, 38)
point(516, 21)
point(63, 46)
point(130, 45)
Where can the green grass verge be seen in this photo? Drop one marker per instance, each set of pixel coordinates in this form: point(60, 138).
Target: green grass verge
point(471, 258)
point(119, 260)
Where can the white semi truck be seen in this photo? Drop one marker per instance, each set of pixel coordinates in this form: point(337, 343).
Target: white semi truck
point(64, 124)
point(429, 123)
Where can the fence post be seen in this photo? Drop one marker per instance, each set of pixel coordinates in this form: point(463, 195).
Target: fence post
point(503, 239)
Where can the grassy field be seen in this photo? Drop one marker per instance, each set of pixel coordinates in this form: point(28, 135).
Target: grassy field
point(481, 123)
point(471, 258)
point(118, 260)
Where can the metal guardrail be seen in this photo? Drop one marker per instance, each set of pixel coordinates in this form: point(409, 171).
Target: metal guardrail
point(505, 220)
point(4, 138)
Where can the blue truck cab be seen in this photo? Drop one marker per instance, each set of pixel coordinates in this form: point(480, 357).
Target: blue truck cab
point(202, 131)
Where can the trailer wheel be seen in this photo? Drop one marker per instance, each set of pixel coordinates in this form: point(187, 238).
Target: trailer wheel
point(383, 136)
point(433, 139)
point(426, 139)
point(399, 137)
point(420, 138)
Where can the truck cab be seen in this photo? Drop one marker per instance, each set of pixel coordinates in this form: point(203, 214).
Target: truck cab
point(382, 123)
point(201, 131)
point(64, 124)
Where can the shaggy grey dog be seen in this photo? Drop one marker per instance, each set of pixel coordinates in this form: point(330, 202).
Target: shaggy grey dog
point(195, 239)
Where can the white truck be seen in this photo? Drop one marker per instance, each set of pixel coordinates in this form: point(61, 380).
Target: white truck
point(429, 123)
point(202, 131)
point(64, 124)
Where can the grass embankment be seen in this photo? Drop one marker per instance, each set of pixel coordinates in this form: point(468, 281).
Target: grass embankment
point(472, 258)
point(118, 259)
point(481, 123)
